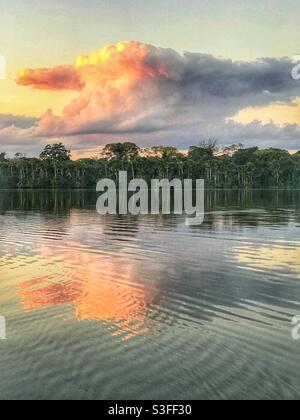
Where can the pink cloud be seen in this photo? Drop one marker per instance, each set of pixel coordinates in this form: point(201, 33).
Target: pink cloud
point(150, 95)
point(58, 78)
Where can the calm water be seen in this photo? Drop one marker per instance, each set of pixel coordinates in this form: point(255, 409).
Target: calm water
point(146, 307)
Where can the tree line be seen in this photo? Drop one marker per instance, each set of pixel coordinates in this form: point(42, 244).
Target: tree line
point(231, 167)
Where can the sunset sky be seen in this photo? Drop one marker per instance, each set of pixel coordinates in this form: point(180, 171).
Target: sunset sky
point(89, 72)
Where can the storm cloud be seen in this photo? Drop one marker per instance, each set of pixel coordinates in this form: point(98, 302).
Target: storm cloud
point(134, 89)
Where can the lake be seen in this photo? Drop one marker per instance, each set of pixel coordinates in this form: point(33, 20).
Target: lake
point(111, 307)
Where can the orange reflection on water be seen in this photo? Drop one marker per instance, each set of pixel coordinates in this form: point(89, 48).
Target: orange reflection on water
point(98, 289)
point(36, 293)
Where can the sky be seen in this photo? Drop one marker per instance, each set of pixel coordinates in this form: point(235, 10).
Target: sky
point(89, 72)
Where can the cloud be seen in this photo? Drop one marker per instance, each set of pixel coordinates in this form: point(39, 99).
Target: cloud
point(139, 91)
point(256, 134)
point(7, 120)
point(59, 78)
point(18, 134)
point(252, 134)
point(135, 87)
point(14, 139)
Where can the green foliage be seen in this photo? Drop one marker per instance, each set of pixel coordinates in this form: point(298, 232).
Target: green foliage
point(207, 148)
point(121, 151)
point(3, 156)
point(234, 168)
point(56, 152)
point(165, 152)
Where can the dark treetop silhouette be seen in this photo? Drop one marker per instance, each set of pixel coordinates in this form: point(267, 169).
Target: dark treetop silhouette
point(232, 167)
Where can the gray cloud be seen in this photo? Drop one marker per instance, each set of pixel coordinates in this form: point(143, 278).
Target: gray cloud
point(170, 97)
point(8, 120)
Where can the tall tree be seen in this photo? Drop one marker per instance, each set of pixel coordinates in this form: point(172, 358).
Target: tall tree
point(232, 149)
point(56, 152)
point(207, 148)
point(3, 156)
point(121, 151)
point(242, 156)
point(164, 152)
